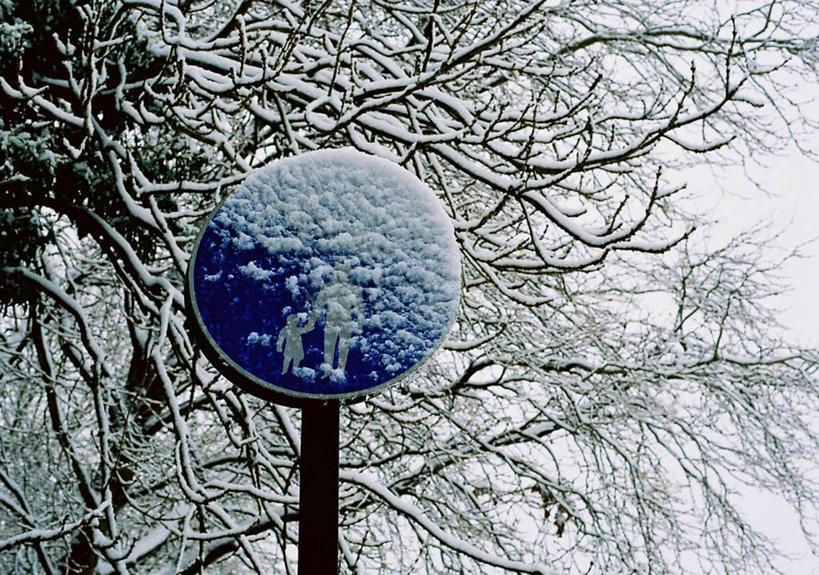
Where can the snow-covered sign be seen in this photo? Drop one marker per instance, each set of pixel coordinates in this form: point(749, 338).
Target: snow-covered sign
point(324, 276)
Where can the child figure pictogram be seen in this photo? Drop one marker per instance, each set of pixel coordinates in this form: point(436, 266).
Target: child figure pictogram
point(289, 341)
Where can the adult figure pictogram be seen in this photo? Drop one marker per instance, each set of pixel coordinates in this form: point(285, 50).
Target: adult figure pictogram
point(342, 306)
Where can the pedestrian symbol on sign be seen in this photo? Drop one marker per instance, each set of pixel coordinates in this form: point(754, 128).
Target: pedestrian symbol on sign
point(342, 306)
point(289, 343)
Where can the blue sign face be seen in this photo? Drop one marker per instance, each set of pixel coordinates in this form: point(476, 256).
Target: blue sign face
point(324, 276)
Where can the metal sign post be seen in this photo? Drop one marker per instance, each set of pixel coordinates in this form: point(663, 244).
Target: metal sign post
point(323, 278)
point(318, 491)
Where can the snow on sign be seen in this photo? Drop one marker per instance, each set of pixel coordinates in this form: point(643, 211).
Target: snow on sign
point(324, 276)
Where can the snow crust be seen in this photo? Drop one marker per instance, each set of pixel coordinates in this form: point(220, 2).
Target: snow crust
point(328, 254)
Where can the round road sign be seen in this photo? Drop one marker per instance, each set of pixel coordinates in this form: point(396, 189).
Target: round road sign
point(324, 276)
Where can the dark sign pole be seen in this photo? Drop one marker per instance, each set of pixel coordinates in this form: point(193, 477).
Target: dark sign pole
point(318, 490)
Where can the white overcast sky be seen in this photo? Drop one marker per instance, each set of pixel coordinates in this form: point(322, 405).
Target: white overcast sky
point(795, 179)
point(792, 205)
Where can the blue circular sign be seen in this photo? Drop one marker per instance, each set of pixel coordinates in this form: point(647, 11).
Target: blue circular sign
point(324, 276)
